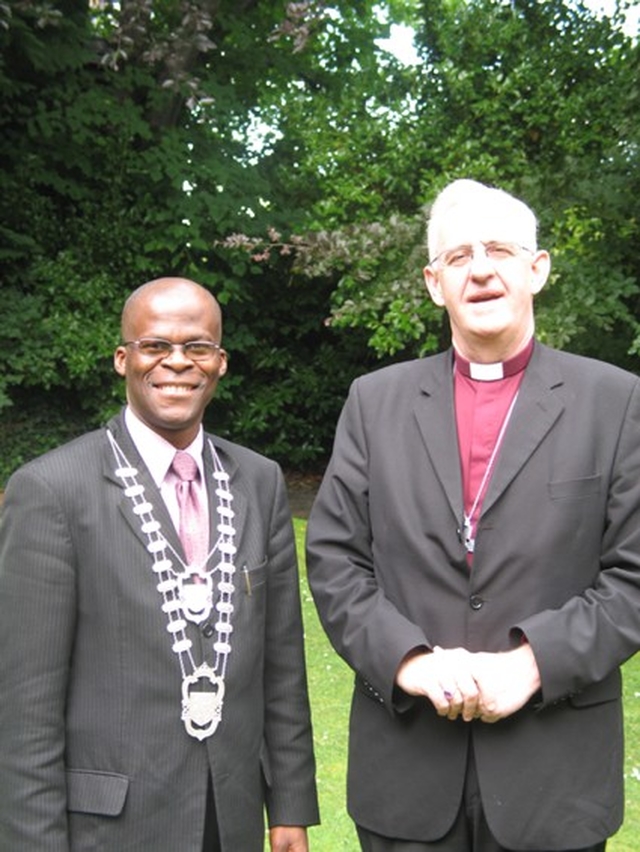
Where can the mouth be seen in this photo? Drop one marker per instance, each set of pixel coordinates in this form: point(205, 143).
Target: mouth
point(484, 296)
point(174, 388)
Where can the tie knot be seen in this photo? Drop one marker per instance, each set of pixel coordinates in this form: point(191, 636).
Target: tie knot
point(184, 466)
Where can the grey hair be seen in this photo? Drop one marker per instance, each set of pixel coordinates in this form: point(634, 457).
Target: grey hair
point(464, 191)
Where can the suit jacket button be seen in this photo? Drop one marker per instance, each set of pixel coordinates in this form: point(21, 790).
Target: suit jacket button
point(476, 602)
point(208, 630)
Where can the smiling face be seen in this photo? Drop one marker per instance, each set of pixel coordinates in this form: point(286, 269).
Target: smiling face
point(170, 394)
point(489, 300)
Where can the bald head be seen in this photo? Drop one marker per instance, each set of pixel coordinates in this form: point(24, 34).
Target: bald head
point(168, 289)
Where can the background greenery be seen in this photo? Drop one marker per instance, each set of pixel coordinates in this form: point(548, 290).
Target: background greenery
point(279, 154)
point(330, 683)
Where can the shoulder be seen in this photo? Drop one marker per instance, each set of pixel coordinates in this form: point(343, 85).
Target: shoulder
point(80, 454)
point(580, 371)
point(406, 374)
point(66, 477)
point(238, 456)
point(257, 477)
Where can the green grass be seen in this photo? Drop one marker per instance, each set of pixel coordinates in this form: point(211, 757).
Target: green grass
point(330, 682)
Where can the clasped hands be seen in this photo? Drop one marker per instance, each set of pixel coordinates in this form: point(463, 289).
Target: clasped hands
point(467, 685)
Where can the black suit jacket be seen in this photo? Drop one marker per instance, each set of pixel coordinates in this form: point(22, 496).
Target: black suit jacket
point(557, 560)
point(93, 751)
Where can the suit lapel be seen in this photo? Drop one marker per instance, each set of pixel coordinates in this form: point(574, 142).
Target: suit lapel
point(435, 415)
point(152, 493)
point(537, 408)
point(239, 503)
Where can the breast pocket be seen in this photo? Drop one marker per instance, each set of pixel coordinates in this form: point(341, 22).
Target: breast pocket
point(252, 578)
point(575, 489)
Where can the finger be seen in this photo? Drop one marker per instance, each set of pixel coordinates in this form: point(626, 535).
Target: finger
point(442, 698)
point(489, 720)
point(442, 702)
point(487, 712)
point(453, 710)
point(455, 703)
point(470, 704)
point(469, 696)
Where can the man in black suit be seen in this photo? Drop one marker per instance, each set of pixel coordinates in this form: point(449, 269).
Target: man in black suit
point(474, 554)
point(152, 687)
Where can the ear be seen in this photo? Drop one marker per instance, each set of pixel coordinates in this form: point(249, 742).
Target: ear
point(433, 286)
point(540, 269)
point(120, 360)
point(224, 363)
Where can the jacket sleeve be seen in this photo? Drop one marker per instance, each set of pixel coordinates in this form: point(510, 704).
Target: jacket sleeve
point(364, 626)
point(585, 640)
point(37, 617)
point(291, 792)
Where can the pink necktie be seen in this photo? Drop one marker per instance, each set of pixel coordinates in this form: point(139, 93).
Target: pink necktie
point(194, 526)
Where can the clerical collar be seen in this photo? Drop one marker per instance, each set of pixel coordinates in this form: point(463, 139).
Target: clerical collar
point(497, 370)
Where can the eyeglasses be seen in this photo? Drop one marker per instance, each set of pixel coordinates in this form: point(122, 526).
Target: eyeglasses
point(461, 256)
point(156, 347)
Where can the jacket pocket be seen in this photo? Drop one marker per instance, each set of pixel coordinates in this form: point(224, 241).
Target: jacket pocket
point(367, 689)
point(90, 792)
point(575, 489)
point(608, 689)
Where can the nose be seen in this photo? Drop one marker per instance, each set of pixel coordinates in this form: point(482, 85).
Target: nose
point(177, 359)
point(480, 266)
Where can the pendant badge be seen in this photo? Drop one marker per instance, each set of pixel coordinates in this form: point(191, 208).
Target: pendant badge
point(469, 540)
point(195, 591)
point(202, 709)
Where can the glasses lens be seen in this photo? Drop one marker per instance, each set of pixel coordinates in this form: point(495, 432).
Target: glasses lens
point(501, 251)
point(200, 350)
point(458, 256)
point(152, 348)
point(494, 251)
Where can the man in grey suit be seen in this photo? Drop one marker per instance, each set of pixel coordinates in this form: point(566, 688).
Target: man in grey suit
point(474, 554)
point(153, 696)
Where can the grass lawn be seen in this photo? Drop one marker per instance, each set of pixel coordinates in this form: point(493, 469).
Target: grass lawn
point(330, 689)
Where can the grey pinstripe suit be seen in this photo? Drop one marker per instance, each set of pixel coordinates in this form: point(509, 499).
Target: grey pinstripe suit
point(93, 753)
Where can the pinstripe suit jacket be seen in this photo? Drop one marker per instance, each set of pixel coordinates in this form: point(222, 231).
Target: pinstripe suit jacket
point(92, 749)
point(557, 559)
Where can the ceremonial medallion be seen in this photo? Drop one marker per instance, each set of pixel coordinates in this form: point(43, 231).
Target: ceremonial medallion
point(188, 595)
point(195, 591)
point(202, 709)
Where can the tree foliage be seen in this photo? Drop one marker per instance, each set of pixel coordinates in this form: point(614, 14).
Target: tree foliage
point(278, 154)
point(130, 147)
point(537, 97)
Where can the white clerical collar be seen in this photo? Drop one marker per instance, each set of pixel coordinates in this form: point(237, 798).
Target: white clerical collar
point(498, 369)
point(486, 372)
point(156, 452)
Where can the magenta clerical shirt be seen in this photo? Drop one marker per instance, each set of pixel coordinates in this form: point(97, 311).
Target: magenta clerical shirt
point(484, 394)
